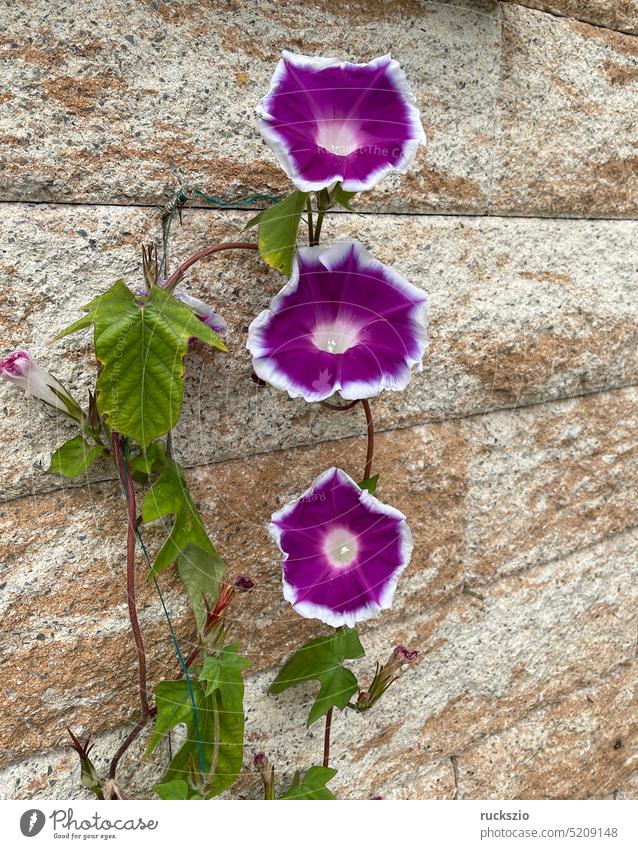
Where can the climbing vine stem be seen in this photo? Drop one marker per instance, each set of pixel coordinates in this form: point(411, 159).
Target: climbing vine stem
point(129, 493)
point(179, 272)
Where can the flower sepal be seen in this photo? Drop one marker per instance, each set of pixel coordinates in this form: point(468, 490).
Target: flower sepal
point(342, 198)
point(89, 775)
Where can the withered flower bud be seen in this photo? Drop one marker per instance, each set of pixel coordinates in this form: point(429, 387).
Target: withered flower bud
point(384, 676)
point(267, 771)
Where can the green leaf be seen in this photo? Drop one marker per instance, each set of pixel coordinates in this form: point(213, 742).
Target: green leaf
point(169, 495)
point(219, 696)
point(370, 484)
point(278, 227)
point(321, 660)
point(312, 785)
point(173, 790)
point(222, 674)
point(201, 572)
point(141, 347)
point(152, 461)
point(337, 687)
point(174, 706)
point(343, 198)
point(80, 324)
point(74, 457)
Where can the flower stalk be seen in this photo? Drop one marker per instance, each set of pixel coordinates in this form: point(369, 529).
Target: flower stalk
point(326, 738)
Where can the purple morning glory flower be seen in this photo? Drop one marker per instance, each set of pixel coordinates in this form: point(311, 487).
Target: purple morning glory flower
point(343, 551)
point(344, 322)
point(327, 121)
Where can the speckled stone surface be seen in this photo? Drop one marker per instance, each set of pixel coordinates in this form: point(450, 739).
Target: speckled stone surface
point(114, 105)
point(509, 668)
point(521, 312)
point(614, 14)
point(568, 123)
point(584, 746)
point(526, 112)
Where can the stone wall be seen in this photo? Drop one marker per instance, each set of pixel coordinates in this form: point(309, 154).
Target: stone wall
point(514, 454)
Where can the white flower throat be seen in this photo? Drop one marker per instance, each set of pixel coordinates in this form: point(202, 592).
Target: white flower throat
point(336, 337)
point(340, 547)
point(338, 136)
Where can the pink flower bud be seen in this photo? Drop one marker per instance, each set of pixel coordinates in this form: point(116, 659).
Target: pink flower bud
point(204, 312)
point(20, 368)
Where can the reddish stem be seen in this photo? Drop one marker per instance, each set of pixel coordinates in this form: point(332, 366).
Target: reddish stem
point(326, 739)
point(370, 451)
point(179, 272)
point(127, 483)
point(137, 729)
point(126, 742)
point(339, 407)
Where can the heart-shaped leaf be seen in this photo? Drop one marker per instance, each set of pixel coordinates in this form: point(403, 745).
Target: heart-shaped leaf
point(140, 344)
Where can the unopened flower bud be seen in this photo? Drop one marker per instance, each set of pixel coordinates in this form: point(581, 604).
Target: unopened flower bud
point(20, 368)
point(243, 583)
point(385, 675)
point(267, 771)
point(204, 312)
point(94, 415)
point(89, 776)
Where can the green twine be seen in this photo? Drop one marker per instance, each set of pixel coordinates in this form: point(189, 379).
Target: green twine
point(183, 196)
point(180, 657)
